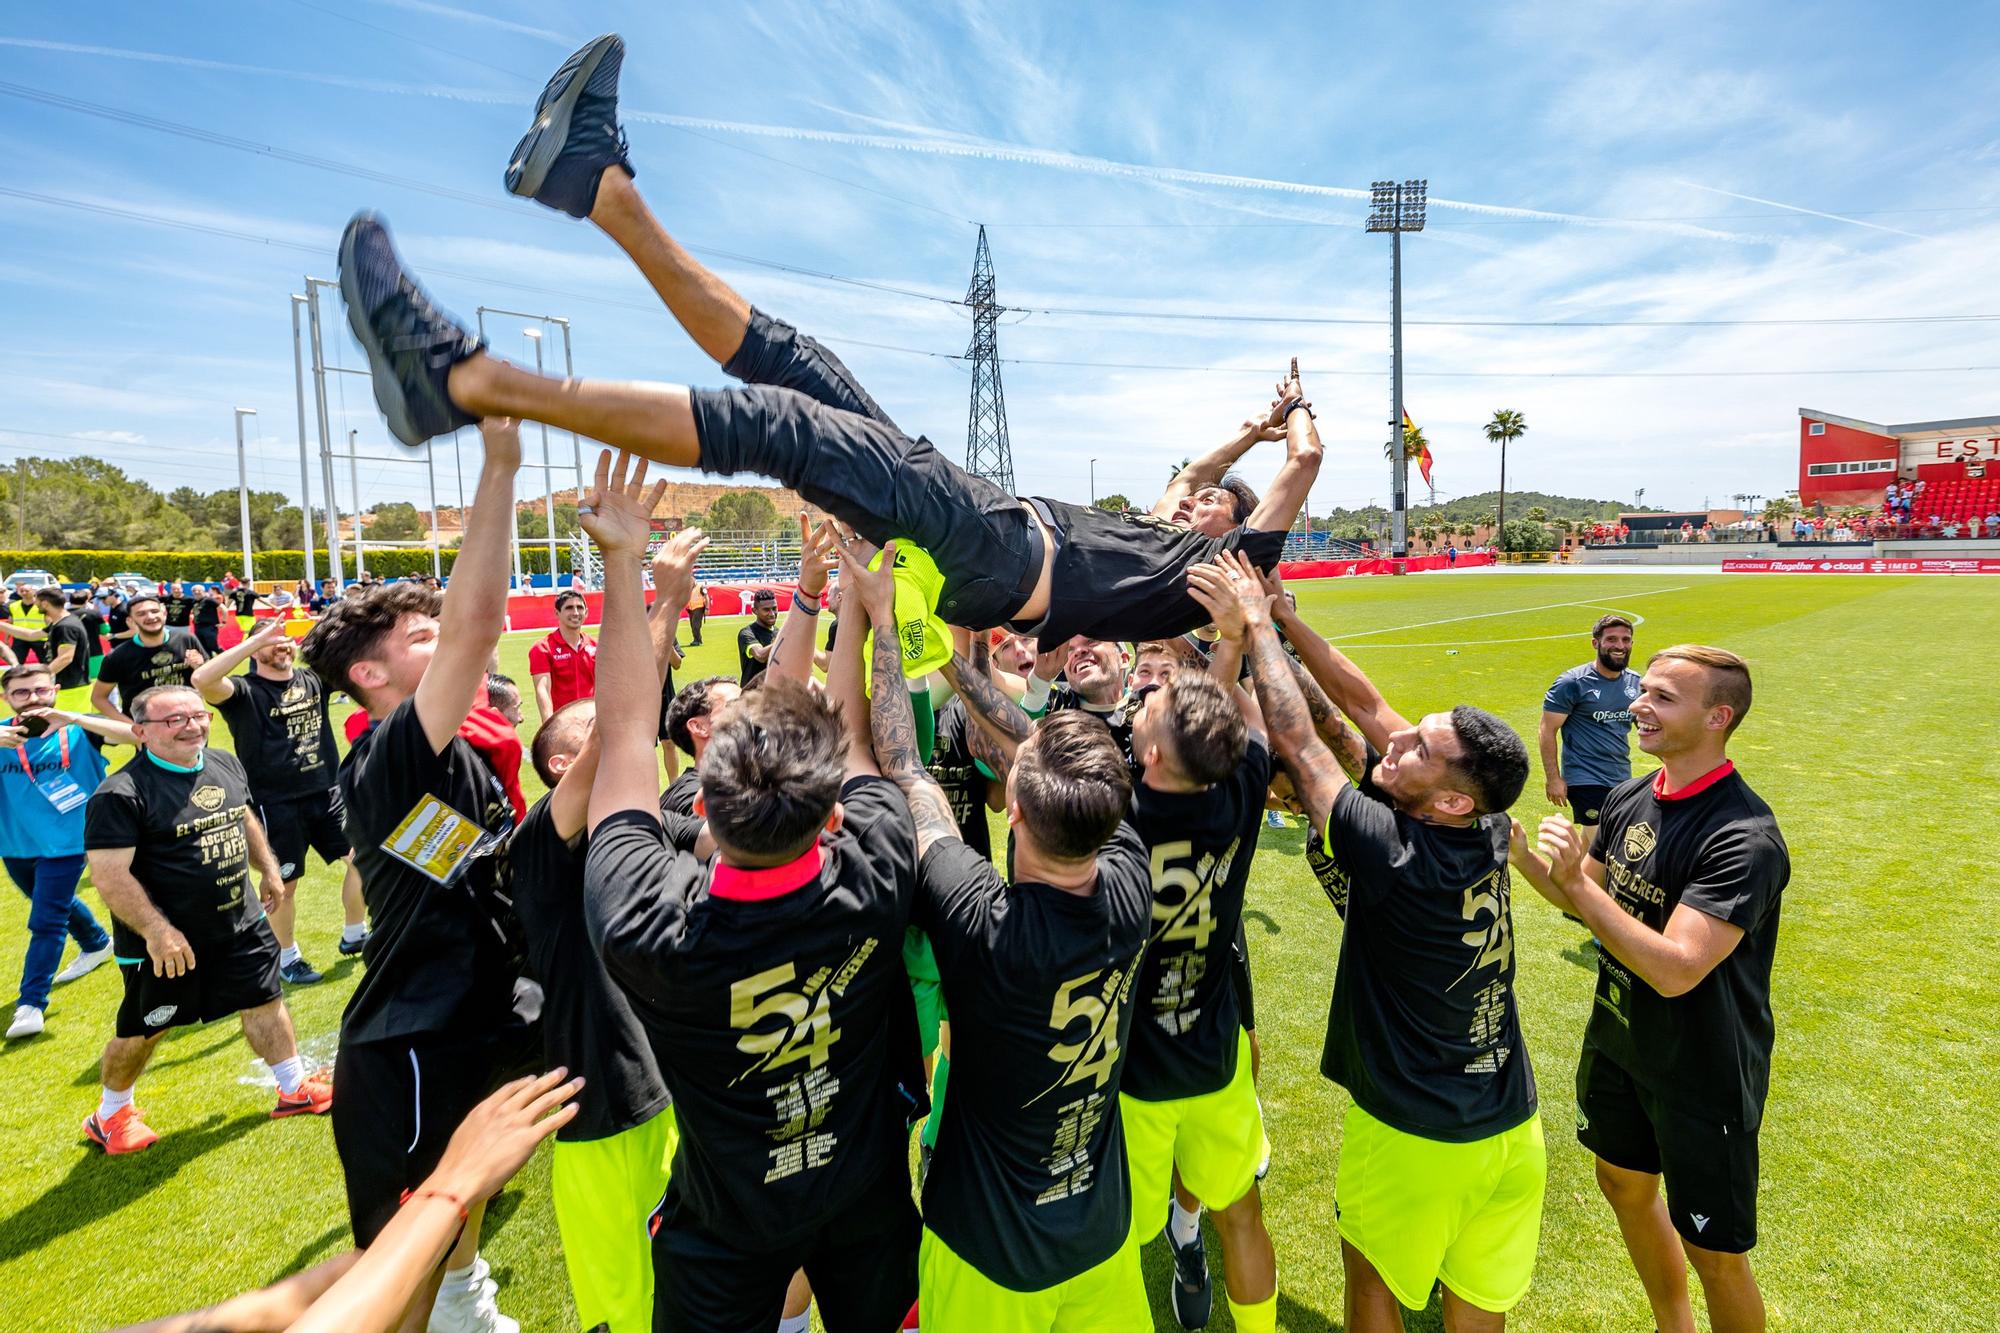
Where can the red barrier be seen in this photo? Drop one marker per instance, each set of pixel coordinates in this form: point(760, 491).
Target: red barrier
point(1870, 565)
point(1416, 564)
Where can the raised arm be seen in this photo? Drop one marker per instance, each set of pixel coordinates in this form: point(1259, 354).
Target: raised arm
point(212, 677)
point(999, 724)
point(615, 511)
point(673, 585)
point(792, 650)
point(847, 670)
point(1212, 466)
point(1280, 505)
point(108, 729)
point(1345, 687)
point(891, 723)
point(1231, 591)
point(475, 606)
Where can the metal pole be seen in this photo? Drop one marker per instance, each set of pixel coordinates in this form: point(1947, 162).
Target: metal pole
point(354, 488)
point(305, 473)
point(21, 502)
point(430, 473)
point(1399, 533)
point(1093, 481)
point(243, 490)
point(548, 480)
point(333, 562)
point(513, 504)
point(575, 445)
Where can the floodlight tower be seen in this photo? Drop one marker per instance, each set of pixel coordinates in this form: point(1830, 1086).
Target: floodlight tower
point(1396, 208)
point(987, 453)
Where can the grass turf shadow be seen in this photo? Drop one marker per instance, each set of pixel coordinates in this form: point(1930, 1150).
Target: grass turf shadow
point(97, 1186)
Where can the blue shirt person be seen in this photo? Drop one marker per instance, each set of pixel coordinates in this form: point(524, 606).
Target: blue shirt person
point(1591, 707)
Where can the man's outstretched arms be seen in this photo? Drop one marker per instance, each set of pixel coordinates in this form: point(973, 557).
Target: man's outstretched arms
point(1280, 505)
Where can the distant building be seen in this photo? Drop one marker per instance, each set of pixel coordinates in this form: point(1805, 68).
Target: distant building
point(1847, 462)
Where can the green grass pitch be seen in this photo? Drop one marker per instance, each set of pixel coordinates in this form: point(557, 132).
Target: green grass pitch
point(1876, 1209)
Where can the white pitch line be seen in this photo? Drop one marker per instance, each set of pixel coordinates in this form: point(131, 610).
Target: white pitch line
point(1512, 611)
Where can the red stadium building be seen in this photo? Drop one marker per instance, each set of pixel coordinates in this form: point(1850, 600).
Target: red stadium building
point(1847, 462)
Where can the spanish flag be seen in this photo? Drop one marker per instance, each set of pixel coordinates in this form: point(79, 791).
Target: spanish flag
point(1424, 458)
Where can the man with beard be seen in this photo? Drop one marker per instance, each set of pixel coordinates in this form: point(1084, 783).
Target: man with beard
point(1592, 706)
point(1094, 683)
point(754, 640)
point(1047, 566)
point(154, 655)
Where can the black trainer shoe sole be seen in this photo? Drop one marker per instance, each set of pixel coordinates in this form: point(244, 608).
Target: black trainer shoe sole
point(389, 394)
point(529, 166)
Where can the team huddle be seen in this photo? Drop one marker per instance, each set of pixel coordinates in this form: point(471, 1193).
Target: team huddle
point(754, 986)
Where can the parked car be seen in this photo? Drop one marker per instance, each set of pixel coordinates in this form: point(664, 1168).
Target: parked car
point(135, 583)
point(30, 579)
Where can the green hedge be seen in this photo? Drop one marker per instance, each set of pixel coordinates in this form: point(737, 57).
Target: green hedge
point(209, 566)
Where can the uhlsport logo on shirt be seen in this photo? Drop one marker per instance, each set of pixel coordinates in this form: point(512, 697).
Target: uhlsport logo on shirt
point(208, 799)
point(1640, 841)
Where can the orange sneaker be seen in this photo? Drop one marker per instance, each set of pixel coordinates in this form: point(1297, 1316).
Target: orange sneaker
point(123, 1132)
point(314, 1097)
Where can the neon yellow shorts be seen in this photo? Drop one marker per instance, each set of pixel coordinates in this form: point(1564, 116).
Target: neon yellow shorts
point(926, 639)
point(955, 1297)
point(1217, 1140)
point(1420, 1210)
point(605, 1191)
point(75, 699)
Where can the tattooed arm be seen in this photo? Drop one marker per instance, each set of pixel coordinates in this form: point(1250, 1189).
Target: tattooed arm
point(999, 725)
point(1339, 734)
point(891, 723)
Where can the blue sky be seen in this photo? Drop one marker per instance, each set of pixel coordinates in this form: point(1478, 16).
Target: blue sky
point(1601, 163)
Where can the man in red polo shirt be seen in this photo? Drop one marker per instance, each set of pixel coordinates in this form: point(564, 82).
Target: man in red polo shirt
point(564, 665)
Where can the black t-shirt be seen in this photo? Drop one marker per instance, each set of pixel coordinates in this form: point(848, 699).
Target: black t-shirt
point(1332, 879)
point(783, 1023)
point(1718, 850)
point(69, 630)
point(1117, 719)
point(1029, 1184)
point(282, 734)
point(678, 798)
point(134, 668)
point(179, 608)
point(117, 620)
point(749, 668)
point(1423, 1030)
point(440, 958)
point(1124, 576)
point(587, 1023)
point(958, 773)
point(1200, 845)
point(207, 612)
point(245, 598)
point(192, 855)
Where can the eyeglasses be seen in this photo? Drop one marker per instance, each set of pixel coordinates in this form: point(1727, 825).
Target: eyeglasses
point(174, 721)
point(33, 692)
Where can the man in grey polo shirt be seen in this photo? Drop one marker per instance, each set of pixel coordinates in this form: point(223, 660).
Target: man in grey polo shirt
point(1592, 707)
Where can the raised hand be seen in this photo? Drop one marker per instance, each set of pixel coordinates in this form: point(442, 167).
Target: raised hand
point(817, 555)
point(673, 566)
point(501, 1133)
point(1247, 585)
point(617, 509)
point(875, 587)
point(1209, 586)
point(1563, 845)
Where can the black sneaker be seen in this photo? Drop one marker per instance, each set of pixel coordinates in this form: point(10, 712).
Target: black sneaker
point(411, 344)
point(348, 948)
point(1193, 1298)
point(299, 972)
point(576, 134)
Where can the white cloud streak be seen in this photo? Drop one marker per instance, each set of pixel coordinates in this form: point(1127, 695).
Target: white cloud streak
point(1795, 208)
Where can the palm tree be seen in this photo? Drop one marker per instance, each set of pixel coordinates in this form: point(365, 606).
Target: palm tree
point(1414, 445)
point(1507, 425)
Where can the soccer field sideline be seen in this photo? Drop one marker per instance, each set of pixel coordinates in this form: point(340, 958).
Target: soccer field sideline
point(1874, 1210)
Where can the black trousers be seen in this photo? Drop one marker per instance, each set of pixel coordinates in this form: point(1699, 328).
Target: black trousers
point(804, 420)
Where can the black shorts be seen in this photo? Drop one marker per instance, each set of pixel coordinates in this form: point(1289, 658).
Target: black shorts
point(1239, 971)
point(399, 1103)
point(1710, 1166)
point(805, 421)
point(231, 973)
point(862, 1264)
point(1587, 803)
point(305, 822)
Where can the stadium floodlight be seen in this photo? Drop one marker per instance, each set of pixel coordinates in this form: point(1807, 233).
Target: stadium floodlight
point(1396, 207)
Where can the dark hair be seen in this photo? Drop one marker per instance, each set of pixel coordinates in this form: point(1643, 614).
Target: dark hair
point(564, 733)
point(51, 596)
point(1071, 784)
point(139, 599)
point(772, 771)
point(22, 672)
point(1205, 729)
point(504, 687)
point(692, 701)
point(353, 628)
point(763, 595)
point(79, 598)
point(137, 709)
point(568, 595)
point(1239, 489)
point(1492, 763)
point(1606, 622)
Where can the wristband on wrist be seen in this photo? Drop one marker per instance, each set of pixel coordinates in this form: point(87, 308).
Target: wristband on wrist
point(799, 603)
point(1293, 405)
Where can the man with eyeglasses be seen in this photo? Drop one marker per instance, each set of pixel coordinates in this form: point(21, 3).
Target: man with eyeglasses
point(49, 765)
point(172, 843)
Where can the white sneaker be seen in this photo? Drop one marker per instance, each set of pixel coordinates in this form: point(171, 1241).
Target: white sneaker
point(85, 964)
point(469, 1306)
point(27, 1023)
